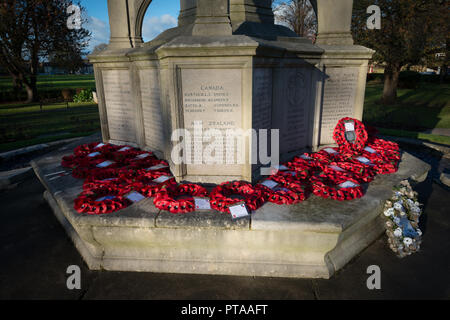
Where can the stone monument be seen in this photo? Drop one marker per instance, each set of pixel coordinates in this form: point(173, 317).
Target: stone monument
point(229, 66)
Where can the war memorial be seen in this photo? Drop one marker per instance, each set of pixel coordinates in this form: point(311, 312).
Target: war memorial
point(226, 67)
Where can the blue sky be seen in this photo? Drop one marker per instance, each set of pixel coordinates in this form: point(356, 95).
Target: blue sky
point(161, 15)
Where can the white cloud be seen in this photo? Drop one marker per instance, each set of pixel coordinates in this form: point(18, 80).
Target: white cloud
point(153, 26)
point(99, 30)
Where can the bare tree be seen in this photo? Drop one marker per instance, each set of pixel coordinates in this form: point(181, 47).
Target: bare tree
point(298, 15)
point(32, 31)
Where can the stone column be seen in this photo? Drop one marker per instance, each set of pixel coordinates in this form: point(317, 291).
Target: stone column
point(213, 18)
point(334, 21)
point(251, 10)
point(188, 11)
point(125, 21)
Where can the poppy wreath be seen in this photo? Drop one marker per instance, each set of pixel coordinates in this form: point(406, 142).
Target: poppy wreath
point(166, 198)
point(360, 135)
point(85, 149)
point(357, 170)
point(377, 165)
point(144, 184)
point(221, 196)
point(95, 184)
point(88, 201)
point(302, 171)
point(300, 188)
point(386, 150)
point(334, 173)
point(304, 160)
point(321, 159)
point(279, 196)
point(328, 187)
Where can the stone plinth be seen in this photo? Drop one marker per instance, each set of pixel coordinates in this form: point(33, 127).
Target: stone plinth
point(313, 239)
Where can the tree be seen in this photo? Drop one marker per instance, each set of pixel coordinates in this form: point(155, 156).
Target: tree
point(408, 29)
point(298, 15)
point(34, 30)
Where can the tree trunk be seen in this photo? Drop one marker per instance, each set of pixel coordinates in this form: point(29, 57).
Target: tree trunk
point(31, 88)
point(391, 76)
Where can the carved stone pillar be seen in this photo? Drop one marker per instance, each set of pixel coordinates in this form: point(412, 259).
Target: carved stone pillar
point(334, 21)
point(213, 18)
point(251, 10)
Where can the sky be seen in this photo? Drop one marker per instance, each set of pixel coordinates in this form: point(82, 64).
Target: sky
point(161, 15)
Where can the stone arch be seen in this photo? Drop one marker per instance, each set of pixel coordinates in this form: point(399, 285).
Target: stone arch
point(126, 18)
point(140, 16)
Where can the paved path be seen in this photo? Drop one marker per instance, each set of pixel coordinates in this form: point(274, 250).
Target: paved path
point(439, 132)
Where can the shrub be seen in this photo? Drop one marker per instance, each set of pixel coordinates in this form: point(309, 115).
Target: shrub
point(83, 96)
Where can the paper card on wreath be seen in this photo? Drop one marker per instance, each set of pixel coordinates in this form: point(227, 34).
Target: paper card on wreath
point(105, 198)
point(269, 184)
point(239, 210)
point(134, 196)
point(100, 145)
point(279, 189)
point(159, 166)
point(336, 168)
point(143, 156)
point(275, 169)
point(305, 157)
point(124, 149)
point(202, 203)
point(105, 164)
point(348, 184)
point(349, 126)
point(162, 179)
point(330, 151)
point(370, 150)
point(364, 160)
point(94, 154)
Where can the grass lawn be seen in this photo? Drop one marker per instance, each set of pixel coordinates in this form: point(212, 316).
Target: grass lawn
point(56, 82)
point(26, 125)
point(417, 110)
point(22, 125)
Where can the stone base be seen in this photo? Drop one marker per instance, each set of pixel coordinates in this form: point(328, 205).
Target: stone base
point(313, 239)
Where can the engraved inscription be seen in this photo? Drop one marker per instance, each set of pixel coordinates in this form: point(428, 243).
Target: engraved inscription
point(213, 96)
point(262, 99)
point(119, 105)
point(151, 107)
point(339, 99)
point(291, 112)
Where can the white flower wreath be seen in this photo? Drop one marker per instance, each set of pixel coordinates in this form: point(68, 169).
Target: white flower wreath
point(402, 212)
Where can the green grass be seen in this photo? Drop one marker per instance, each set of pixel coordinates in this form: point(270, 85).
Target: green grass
point(55, 82)
point(25, 125)
point(417, 110)
point(427, 107)
point(416, 135)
